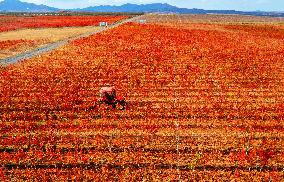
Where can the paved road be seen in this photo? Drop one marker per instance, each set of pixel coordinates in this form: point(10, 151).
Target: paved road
point(52, 46)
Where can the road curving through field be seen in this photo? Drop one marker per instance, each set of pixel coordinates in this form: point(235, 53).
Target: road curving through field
point(52, 46)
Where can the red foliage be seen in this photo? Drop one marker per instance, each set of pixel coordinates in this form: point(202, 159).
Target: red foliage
point(263, 31)
point(214, 84)
point(254, 157)
point(8, 23)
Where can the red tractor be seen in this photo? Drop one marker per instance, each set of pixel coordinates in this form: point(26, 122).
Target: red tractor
point(109, 97)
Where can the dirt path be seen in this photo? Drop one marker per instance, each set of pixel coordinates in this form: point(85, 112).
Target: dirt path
point(52, 46)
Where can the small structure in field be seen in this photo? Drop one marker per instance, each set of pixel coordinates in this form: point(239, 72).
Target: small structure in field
point(103, 24)
point(142, 21)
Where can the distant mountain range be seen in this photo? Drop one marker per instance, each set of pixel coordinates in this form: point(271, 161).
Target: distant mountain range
point(18, 6)
point(166, 8)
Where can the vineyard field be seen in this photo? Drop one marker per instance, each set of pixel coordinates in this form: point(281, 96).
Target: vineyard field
point(206, 103)
point(8, 23)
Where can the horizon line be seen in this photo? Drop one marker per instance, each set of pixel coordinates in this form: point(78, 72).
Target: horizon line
point(117, 5)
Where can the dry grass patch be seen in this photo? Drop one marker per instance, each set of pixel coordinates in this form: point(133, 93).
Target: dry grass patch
point(51, 34)
point(214, 19)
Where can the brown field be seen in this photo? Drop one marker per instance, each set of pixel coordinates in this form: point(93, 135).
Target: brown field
point(51, 34)
point(213, 19)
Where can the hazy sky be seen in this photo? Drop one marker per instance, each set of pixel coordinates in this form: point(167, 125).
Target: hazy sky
point(267, 5)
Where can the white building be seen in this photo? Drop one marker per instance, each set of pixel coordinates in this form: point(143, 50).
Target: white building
point(103, 24)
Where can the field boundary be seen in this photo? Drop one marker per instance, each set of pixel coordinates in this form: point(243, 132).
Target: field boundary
point(52, 46)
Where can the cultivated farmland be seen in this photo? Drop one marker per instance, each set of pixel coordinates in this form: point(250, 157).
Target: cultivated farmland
point(19, 34)
point(8, 23)
point(19, 41)
point(205, 103)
